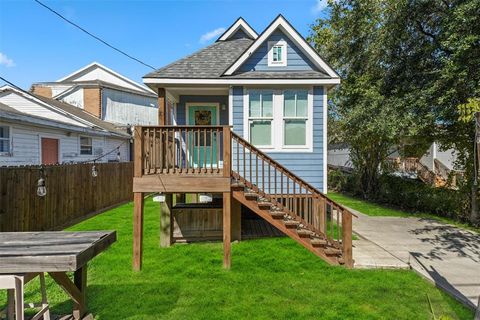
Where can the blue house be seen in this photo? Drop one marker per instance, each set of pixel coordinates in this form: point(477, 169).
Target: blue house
point(245, 120)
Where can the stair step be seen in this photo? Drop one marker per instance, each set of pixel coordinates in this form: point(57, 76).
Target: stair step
point(264, 205)
point(291, 223)
point(237, 186)
point(251, 196)
point(277, 214)
point(304, 233)
point(318, 242)
point(332, 252)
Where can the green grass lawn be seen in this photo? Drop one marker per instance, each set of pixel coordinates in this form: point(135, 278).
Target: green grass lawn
point(270, 279)
point(374, 209)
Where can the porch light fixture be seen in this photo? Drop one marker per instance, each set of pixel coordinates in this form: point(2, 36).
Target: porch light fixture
point(118, 154)
point(41, 188)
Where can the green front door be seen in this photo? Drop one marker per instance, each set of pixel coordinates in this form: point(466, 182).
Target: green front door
point(203, 151)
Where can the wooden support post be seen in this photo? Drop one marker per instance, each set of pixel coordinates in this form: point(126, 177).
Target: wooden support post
point(227, 198)
point(347, 239)
point(166, 222)
point(236, 220)
point(227, 229)
point(162, 107)
point(138, 201)
point(80, 281)
point(137, 230)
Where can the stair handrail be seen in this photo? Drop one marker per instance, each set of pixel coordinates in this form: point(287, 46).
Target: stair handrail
point(311, 188)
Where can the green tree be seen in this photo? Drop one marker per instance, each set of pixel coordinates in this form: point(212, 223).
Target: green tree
point(355, 38)
point(406, 67)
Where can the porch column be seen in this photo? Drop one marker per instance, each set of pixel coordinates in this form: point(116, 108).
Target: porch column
point(166, 222)
point(162, 107)
point(227, 199)
point(137, 203)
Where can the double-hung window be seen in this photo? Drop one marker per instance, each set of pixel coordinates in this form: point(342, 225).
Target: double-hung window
point(4, 140)
point(260, 117)
point(86, 147)
point(295, 116)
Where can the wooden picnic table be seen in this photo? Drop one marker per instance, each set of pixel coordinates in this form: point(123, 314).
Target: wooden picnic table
point(56, 253)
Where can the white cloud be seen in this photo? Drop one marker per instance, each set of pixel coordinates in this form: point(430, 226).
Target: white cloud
point(6, 61)
point(211, 34)
point(319, 6)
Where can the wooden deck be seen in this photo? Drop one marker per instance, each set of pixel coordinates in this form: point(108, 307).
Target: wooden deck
point(213, 159)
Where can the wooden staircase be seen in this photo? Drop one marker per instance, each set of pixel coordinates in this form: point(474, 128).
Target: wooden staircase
point(213, 159)
point(290, 204)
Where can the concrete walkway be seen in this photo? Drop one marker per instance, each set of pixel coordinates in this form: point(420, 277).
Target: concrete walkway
point(444, 254)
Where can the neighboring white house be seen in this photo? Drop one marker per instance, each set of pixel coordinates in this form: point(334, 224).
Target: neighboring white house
point(105, 94)
point(37, 130)
point(339, 156)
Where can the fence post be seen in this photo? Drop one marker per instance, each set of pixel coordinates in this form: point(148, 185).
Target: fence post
point(138, 201)
point(347, 238)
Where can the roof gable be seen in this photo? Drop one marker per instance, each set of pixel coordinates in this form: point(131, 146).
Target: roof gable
point(297, 60)
point(97, 72)
point(280, 24)
point(240, 28)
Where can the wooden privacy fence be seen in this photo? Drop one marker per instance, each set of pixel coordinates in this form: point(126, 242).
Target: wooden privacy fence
point(73, 194)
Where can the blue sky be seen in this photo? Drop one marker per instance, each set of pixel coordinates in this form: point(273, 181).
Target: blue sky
point(36, 45)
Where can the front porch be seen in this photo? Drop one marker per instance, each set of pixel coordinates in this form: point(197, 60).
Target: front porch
point(213, 159)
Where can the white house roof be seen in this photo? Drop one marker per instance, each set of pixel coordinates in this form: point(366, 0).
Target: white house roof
point(52, 112)
point(98, 72)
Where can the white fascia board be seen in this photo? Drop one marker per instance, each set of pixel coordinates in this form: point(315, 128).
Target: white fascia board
point(234, 28)
point(101, 66)
point(294, 36)
point(164, 81)
point(38, 121)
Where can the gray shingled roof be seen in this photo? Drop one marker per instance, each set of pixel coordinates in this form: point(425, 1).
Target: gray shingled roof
point(208, 63)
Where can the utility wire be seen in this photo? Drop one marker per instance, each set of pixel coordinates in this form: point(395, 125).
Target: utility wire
point(94, 36)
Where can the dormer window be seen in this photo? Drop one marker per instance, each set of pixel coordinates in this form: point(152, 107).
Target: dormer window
point(277, 53)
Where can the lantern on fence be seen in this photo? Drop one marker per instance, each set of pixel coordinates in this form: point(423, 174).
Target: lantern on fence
point(41, 188)
point(94, 171)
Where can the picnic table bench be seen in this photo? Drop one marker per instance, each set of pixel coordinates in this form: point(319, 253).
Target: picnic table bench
point(55, 253)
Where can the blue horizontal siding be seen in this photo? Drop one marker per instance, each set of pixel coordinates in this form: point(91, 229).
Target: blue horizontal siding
point(296, 59)
point(306, 165)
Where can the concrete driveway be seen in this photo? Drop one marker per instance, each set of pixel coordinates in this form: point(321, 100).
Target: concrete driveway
point(448, 256)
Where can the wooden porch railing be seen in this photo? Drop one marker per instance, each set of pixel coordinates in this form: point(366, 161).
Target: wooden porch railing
point(299, 199)
point(182, 149)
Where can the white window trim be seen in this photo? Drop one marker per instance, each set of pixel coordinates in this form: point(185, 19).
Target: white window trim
point(282, 63)
point(308, 124)
point(277, 123)
point(10, 141)
point(80, 146)
point(249, 119)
